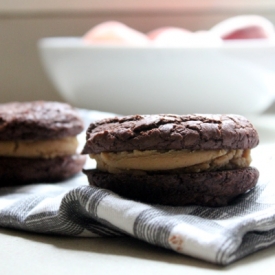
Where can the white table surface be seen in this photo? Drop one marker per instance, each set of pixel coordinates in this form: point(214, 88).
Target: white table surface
point(28, 253)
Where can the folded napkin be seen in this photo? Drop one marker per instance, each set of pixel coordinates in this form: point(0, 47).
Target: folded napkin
point(219, 235)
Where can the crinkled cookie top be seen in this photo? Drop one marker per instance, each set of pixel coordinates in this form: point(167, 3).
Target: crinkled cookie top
point(38, 120)
point(170, 132)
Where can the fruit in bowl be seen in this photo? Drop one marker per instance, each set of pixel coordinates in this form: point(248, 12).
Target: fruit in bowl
point(116, 68)
point(238, 27)
point(244, 27)
point(115, 33)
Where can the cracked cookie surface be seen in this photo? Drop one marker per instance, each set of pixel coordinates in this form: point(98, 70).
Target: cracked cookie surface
point(38, 120)
point(170, 132)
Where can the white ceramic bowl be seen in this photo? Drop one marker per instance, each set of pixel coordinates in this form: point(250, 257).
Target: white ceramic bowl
point(236, 77)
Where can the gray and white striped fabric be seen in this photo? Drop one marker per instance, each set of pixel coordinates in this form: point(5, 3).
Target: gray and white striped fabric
point(219, 235)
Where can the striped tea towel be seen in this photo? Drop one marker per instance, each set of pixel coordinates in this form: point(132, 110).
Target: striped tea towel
point(218, 235)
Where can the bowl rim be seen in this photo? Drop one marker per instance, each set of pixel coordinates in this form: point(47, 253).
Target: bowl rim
point(74, 42)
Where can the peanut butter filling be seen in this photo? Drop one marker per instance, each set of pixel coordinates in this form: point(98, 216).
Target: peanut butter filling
point(39, 149)
point(182, 160)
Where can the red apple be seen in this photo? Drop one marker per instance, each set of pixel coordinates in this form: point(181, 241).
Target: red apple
point(244, 27)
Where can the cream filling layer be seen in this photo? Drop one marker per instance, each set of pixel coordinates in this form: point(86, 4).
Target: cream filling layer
point(153, 160)
point(39, 149)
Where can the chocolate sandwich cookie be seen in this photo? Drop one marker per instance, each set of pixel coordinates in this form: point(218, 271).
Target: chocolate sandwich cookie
point(173, 159)
point(38, 142)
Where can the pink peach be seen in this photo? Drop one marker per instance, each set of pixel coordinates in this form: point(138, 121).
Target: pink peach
point(113, 32)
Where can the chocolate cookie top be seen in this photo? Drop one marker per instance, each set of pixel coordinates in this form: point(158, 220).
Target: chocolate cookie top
point(38, 120)
point(170, 132)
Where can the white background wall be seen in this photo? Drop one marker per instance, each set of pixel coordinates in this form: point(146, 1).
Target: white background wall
point(23, 22)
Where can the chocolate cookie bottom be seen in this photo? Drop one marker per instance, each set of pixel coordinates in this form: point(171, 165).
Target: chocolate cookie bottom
point(206, 188)
point(16, 171)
